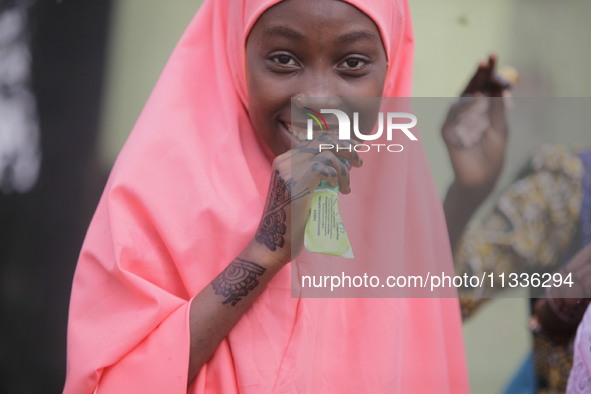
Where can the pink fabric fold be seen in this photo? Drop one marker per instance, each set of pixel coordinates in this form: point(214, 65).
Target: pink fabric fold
point(184, 198)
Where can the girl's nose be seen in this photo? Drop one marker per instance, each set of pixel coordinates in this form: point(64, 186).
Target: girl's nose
point(321, 96)
point(318, 88)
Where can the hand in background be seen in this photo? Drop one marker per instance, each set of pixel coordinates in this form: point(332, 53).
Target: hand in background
point(559, 314)
point(475, 131)
point(475, 134)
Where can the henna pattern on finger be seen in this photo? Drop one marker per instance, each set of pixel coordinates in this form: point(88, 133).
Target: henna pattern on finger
point(272, 228)
point(323, 170)
point(328, 163)
point(344, 168)
point(305, 149)
point(237, 280)
point(322, 159)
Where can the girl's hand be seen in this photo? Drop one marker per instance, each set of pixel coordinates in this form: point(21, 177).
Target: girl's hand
point(295, 175)
point(475, 131)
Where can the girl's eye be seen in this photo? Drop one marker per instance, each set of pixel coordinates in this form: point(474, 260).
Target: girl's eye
point(284, 60)
point(353, 63)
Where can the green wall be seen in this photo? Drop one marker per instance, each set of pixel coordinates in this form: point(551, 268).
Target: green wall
point(143, 34)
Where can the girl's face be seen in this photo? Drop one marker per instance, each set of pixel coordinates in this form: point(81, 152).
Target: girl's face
point(309, 49)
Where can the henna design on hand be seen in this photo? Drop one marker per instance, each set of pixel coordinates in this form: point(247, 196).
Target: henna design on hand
point(272, 227)
point(237, 280)
point(324, 170)
point(327, 162)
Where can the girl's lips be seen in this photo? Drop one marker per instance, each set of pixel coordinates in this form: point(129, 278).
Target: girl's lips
point(289, 135)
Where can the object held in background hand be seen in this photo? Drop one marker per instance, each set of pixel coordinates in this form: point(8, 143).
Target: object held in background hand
point(510, 75)
point(472, 110)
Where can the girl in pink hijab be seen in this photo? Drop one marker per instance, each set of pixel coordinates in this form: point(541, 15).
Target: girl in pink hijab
point(183, 283)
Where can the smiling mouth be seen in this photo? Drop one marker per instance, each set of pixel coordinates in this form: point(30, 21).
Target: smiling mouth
point(297, 132)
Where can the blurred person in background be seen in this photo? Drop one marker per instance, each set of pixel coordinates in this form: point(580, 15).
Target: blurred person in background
point(52, 56)
point(539, 222)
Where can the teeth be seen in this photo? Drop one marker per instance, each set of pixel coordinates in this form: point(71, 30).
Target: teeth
point(300, 135)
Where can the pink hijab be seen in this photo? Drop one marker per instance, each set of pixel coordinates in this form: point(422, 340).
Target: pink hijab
point(175, 212)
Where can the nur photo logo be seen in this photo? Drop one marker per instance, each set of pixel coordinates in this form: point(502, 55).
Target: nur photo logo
point(389, 125)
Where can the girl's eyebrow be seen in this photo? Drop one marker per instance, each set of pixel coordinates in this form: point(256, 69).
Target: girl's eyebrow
point(356, 36)
point(281, 31)
point(288, 32)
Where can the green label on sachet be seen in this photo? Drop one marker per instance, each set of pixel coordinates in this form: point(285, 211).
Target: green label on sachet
point(325, 232)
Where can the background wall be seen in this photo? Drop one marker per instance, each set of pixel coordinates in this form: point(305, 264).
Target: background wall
point(546, 40)
point(143, 34)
